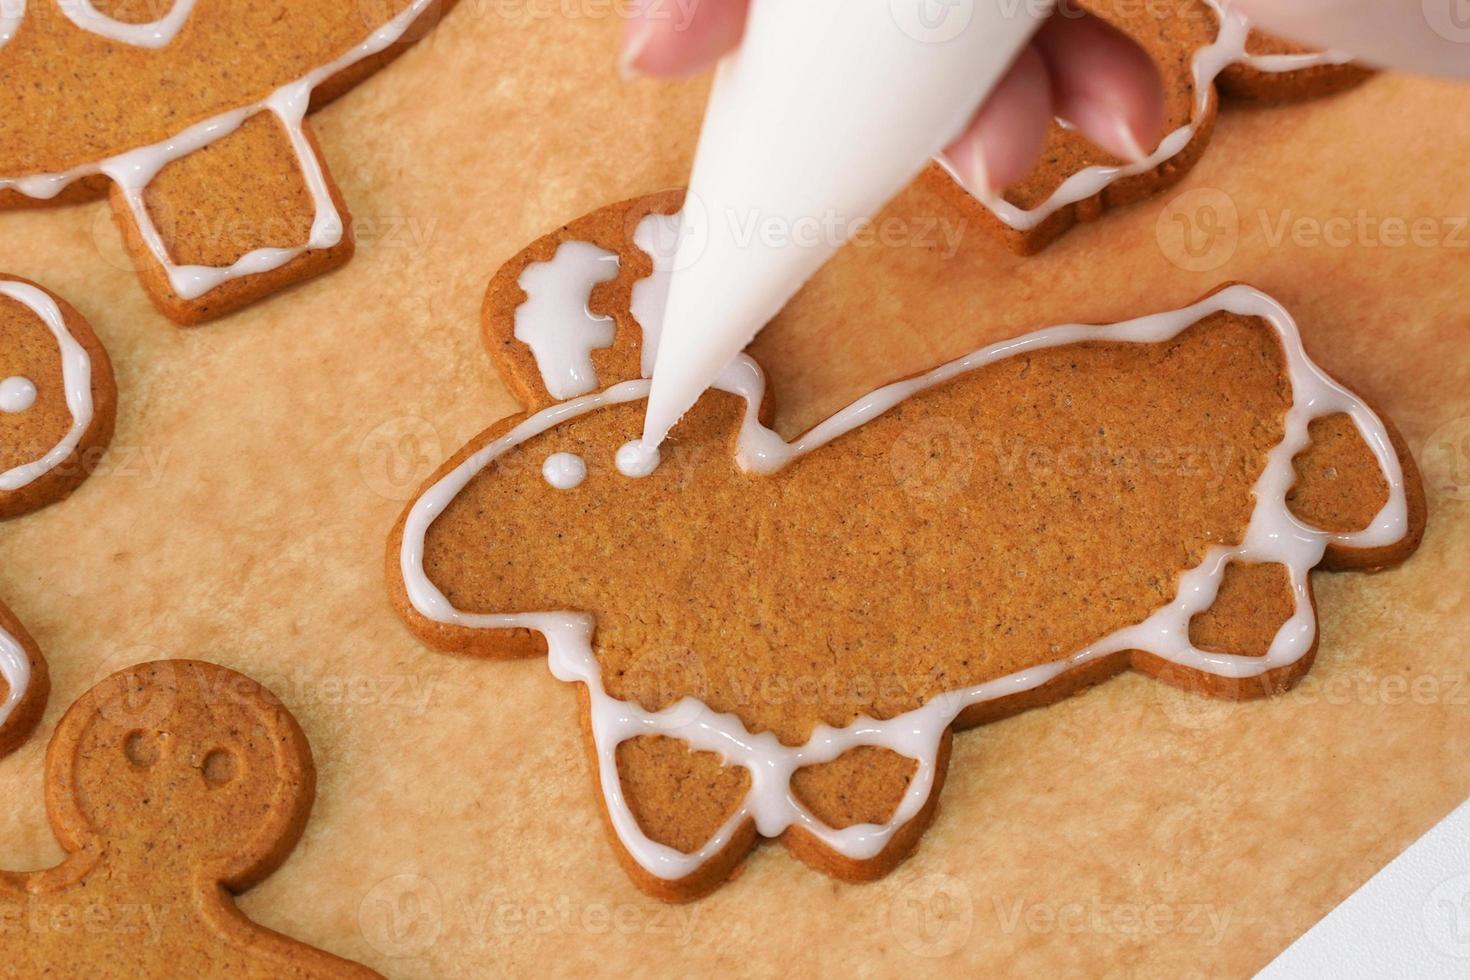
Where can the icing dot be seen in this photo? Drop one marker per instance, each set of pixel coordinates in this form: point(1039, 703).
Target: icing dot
point(17, 394)
point(564, 470)
point(636, 459)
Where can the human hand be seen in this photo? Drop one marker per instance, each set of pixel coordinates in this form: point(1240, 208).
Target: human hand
point(1078, 68)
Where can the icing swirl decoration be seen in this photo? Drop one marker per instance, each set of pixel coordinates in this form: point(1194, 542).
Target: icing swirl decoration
point(153, 34)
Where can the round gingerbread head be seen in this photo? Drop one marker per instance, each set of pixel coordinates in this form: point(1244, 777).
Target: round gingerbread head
point(183, 752)
point(57, 403)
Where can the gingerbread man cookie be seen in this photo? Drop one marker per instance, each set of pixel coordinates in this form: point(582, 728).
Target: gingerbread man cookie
point(1203, 48)
point(57, 405)
point(197, 121)
point(776, 639)
point(173, 786)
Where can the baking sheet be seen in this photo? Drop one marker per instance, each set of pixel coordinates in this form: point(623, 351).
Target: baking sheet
point(259, 462)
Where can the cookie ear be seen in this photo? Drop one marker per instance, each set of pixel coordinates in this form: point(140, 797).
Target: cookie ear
point(1341, 488)
point(561, 318)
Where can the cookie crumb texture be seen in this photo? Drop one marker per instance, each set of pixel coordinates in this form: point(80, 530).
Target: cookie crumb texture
point(75, 98)
point(172, 786)
point(990, 524)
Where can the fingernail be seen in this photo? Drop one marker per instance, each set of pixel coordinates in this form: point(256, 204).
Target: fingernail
point(1129, 147)
point(634, 44)
point(967, 160)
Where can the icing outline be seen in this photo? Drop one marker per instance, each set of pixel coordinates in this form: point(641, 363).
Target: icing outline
point(132, 170)
point(76, 374)
point(1273, 535)
point(153, 34)
point(1206, 65)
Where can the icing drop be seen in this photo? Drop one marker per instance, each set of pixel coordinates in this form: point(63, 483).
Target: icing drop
point(554, 320)
point(637, 459)
point(1207, 64)
point(154, 34)
point(134, 169)
point(17, 394)
point(565, 471)
point(1274, 535)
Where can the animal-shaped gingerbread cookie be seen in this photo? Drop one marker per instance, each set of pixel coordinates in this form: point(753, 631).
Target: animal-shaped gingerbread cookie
point(173, 786)
point(1203, 49)
point(57, 406)
point(776, 639)
point(196, 119)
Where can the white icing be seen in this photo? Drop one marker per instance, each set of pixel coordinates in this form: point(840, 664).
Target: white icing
point(1273, 536)
point(154, 34)
point(554, 320)
point(1209, 61)
point(134, 169)
point(565, 471)
point(76, 376)
point(658, 235)
point(12, 12)
point(17, 394)
point(637, 459)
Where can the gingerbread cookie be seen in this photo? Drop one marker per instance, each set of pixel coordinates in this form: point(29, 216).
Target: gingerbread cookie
point(776, 639)
point(173, 786)
point(1202, 48)
point(57, 405)
point(197, 121)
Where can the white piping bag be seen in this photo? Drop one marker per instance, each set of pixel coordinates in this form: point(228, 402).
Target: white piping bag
point(826, 110)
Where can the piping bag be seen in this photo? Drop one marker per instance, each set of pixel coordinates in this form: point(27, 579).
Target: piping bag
point(826, 110)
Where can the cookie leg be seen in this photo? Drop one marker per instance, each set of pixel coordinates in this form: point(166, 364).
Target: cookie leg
point(862, 786)
point(235, 220)
point(677, 802)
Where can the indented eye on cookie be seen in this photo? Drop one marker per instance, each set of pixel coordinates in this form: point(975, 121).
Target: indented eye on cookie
point(17, 394)
point(1158, 642)
point(219, 767)
point(142, 749)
